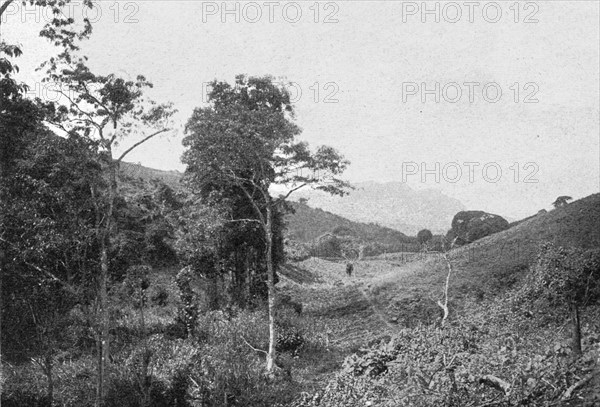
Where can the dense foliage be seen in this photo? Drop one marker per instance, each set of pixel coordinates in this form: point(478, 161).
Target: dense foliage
point(486, 356)
point(182, 283)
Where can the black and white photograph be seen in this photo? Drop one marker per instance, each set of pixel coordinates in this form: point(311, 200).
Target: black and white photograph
point(310, 203)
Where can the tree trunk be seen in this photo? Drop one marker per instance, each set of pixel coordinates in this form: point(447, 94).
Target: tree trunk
point(146, 377)
point(575, 329)
point(103, 339)
point(271, 289)
point(50, 377)
point(2, 263)
point(248, 279)
point(444, 305)
point(104, 354)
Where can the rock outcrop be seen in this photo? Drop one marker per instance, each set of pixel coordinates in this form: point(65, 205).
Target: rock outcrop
point(468, 226)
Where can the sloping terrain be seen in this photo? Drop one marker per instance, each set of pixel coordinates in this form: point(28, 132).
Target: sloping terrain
point(138, 171)
point(391, 204)
point(337, 310)
point(307, 224)
point(493, 264)
point(392, 296)
point(337, 300)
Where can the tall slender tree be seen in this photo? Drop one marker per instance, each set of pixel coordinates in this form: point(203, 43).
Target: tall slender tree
point(105, 109)
point(246, 139)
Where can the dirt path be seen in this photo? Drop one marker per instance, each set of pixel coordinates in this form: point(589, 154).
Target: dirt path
point(343, 304)
point(339, 311)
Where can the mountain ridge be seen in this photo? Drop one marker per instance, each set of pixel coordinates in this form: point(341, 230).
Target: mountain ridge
point(391, 204)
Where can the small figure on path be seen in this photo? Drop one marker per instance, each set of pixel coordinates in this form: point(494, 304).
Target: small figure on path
point(349, 269)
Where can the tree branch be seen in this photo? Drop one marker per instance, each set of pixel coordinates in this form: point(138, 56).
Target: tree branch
point(252, 347)
point(569, 392)
point(496, 383)
point(140, 142)
point(94, 98)
point(48, 274)
point(5, 6)
point(90, 117)
point(290, 192)
point(240, 184)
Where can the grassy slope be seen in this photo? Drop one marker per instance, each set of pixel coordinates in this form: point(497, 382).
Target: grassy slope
point(336, 311)
point(350, 312)
point(492, 264)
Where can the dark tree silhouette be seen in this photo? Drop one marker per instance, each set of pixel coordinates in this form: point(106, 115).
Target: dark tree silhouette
point(424, 236)
point(561, 201)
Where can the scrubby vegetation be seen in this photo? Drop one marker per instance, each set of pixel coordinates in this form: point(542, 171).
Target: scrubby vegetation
point(121, 287)
point(501, 351)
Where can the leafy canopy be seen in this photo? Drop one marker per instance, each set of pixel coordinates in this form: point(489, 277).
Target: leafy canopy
point(247, 137)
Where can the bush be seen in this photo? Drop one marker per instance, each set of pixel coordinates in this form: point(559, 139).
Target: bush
point(126, 392)
point(450, 367)
point(20, 398)
point(26, 385)
point(327, 245)
point(370, 361)
point(158, 372)
point(160, 296)
point(289, 339)
point(561, 275)
point(226, 368)
point(296, 251)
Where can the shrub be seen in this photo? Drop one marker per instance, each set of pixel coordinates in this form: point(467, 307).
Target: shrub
point(296, 251)
point(450, 367)
point(563, 278)
point(227, 368)
point(370, 361)
point(289, 339)
point(160, 296)
point(424, 236)
point(327, 245)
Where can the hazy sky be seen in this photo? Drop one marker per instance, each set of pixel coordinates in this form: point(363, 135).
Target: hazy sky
point(374, 61)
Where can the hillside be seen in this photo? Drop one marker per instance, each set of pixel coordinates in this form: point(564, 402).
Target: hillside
point(391, 204)
point(138, 171)
point(386, 314)
point(304, 225)
point(307, 224)
point(490, 265)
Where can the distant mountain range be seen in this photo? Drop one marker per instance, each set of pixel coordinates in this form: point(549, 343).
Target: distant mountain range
point(393, 204)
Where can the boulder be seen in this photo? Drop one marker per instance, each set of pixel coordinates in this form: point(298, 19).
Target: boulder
point(468, 226)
